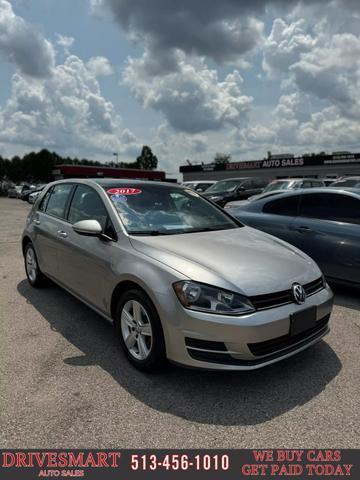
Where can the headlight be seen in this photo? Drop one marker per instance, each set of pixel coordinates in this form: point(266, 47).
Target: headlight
point(204, 298)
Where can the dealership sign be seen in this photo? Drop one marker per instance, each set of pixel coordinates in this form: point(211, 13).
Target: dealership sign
point(311, 160)
point(269, 163)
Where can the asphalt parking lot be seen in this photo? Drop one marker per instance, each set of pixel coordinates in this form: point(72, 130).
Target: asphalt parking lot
point(65, 382)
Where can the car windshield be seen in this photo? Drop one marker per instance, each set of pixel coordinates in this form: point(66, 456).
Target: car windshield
point(153, 210)
point(224, 186)
point(286, 185)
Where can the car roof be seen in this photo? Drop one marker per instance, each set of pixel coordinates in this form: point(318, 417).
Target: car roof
point(115, 182)
point(255, 205)
point(309, 191)
point(353, 177)
point(232, 179)
point(199, 181)
point(297, 178)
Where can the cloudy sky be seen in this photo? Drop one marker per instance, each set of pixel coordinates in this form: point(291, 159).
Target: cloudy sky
point(188, 77)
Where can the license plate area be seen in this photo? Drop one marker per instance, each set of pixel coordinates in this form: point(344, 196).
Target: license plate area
point(302, 321)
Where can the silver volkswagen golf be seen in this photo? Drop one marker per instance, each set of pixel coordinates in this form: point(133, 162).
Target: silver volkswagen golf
point(179, 277)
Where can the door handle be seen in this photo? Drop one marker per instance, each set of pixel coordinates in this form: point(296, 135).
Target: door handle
point(37, 222)
point(62, 234)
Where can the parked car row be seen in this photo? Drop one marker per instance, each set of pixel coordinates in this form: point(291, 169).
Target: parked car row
point(26, 192)
point(235, 191)
point(280, 186)
point(18, 190)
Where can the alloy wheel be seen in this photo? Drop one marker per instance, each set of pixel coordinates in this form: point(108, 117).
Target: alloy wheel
point(31, 264)
point(136, 329)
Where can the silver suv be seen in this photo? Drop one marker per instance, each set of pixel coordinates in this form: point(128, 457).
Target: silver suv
point(180, 278)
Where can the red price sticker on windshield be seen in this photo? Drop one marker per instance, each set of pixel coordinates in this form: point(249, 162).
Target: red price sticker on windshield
point(124, 191)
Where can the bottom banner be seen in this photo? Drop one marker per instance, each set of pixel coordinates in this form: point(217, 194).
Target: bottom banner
point(180, 464)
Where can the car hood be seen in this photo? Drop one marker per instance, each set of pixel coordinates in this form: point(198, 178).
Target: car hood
point(241, 259)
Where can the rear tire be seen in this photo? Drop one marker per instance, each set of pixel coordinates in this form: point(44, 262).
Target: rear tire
point(139, 330)
point(34, 275)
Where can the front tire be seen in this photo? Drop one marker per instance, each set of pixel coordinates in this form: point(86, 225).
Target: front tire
point(34, 275)
point(140, 332)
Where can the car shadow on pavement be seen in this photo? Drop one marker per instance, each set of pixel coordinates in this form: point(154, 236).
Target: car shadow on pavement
point(345, 296)
point(220, 398)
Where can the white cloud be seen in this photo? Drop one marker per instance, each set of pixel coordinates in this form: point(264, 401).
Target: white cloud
point(128, 137)
point(100, 66)
point(64, 111)
point(173, 148)
point(293, 127)
point(21, 44)
point(332, 72)
point(65, 42)
point(193, 99)
point(284, 46)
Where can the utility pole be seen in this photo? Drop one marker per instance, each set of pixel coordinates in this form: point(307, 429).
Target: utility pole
point(117, 158)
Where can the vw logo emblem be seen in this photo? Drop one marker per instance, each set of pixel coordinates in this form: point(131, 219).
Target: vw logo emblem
point(298, 293)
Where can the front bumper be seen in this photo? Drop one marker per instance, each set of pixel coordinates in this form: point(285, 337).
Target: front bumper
point(219, 342)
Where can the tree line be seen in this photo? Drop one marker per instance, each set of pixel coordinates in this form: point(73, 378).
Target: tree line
point(36, 167)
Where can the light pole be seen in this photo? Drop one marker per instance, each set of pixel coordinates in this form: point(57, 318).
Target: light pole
point(117, 158)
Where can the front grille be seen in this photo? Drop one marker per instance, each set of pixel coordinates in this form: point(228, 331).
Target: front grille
point(279, 343)
point(271, 300)
point(314, 287)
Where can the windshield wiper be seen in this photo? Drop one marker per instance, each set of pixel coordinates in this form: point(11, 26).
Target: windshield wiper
point(210, 229)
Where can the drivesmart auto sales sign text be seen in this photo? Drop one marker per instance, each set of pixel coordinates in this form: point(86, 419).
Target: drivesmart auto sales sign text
point(182, 464)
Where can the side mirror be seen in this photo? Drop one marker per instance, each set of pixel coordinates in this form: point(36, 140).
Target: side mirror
point(89, 228)
point(241, 189)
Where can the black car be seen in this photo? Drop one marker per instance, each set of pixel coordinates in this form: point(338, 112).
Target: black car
point(235, 189)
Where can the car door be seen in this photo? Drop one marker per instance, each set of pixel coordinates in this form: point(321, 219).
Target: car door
point(85, 261)
point(48, 221)
point(328, 229)
point(277, 217)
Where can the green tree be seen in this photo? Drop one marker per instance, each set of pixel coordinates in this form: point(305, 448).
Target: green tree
point(147, 160)
point(222, 158)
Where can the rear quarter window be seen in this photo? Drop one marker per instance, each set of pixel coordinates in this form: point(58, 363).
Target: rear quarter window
point(283, 206)
point(57, 200)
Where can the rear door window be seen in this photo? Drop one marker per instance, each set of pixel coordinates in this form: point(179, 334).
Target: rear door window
point(331, 206)
point(58, 198)
point(283, 206)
